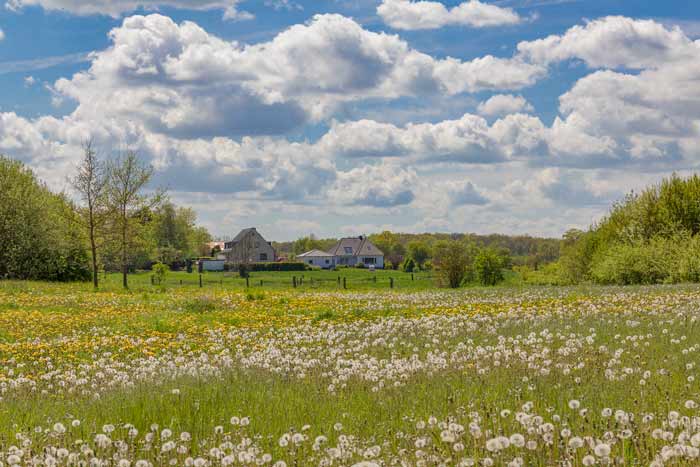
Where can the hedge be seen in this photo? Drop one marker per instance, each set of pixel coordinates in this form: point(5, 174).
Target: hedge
point(270, 267)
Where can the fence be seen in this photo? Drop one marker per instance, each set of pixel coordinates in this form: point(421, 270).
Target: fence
point(300, 281)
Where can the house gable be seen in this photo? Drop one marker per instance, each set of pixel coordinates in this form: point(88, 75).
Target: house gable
point(249, 246)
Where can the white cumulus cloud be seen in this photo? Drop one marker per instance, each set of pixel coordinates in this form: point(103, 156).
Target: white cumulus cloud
point(504, 104)
point(612, 42)
point(413, 15)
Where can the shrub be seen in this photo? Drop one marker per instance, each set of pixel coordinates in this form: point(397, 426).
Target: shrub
point(278, 267)
point(488, 266)
point(409, 265)
point(635, 263)
point(160, 271)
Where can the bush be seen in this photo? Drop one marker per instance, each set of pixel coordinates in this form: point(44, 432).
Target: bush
point(361, 266)
point(160, 271)
point(488, 266)
point(635, 263)
point(687, 267)
point(549, 274)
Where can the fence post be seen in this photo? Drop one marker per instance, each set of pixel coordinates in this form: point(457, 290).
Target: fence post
point(200, 280)
point(391, 282)
point(338, 281)
point(261, 282)
point(345, 282)
point(411, 276)
point(247, 283)
point(180, 281)
point(294, 281)
point(374, 279)
point(152, 280)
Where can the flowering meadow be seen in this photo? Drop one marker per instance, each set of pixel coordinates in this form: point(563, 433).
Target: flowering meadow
point(499, 377)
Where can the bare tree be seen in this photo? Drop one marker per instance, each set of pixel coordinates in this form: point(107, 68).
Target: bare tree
point(128, 177)
point(90, 181)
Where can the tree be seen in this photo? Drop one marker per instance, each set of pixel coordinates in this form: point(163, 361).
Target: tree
point(40, 238)
point(419, 251)
point(128, 177)
point(452, 261)
point(90, 182)
point(409, 265)
point(489, 264)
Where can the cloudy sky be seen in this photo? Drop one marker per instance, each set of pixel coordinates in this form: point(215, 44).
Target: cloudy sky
point(353, 116)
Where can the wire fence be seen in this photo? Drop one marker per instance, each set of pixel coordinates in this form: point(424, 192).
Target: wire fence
point(301, 281)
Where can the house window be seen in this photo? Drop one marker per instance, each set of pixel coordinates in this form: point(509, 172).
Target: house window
point(257, 244)
point(348, 250)
point(311, 261)
point(263, 256)
point(370, 260)
point(328, 261)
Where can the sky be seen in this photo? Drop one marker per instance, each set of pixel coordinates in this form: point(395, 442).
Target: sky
point(348, 117)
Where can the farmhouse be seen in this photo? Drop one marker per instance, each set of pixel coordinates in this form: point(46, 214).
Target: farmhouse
point(347, 252)
point(249, 247)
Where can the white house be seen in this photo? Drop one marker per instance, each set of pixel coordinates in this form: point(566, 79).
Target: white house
point(347, 252)
point(317, 258)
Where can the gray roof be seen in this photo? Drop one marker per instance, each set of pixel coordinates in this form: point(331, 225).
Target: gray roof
point(241, 235)
point(360, 246)
point(314, 253)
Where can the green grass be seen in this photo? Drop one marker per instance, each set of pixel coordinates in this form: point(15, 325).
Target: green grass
point(480, 351)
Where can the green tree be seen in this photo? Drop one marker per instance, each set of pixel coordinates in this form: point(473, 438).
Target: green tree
point(409, 265)
point(452, 260)
point(419, 251)
point(41, 238)
point(489, 264)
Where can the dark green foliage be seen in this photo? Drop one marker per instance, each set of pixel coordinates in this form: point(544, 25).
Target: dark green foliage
point(409, 265)
point(40, 236)
point(419, 251)
point(275, 267)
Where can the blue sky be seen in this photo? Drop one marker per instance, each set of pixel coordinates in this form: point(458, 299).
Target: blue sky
point(353, 116)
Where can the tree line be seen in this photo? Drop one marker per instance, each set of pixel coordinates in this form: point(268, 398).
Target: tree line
point(399, 247)
point(115, 223)
point(646, 238)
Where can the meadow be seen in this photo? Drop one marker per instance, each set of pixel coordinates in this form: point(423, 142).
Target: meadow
point(368, 376)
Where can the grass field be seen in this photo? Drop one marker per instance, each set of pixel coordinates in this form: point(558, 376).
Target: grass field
point(370, 376)
point(351, 278)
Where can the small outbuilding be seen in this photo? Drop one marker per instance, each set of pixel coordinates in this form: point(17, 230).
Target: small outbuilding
point(211, 265)
point(317, 258)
